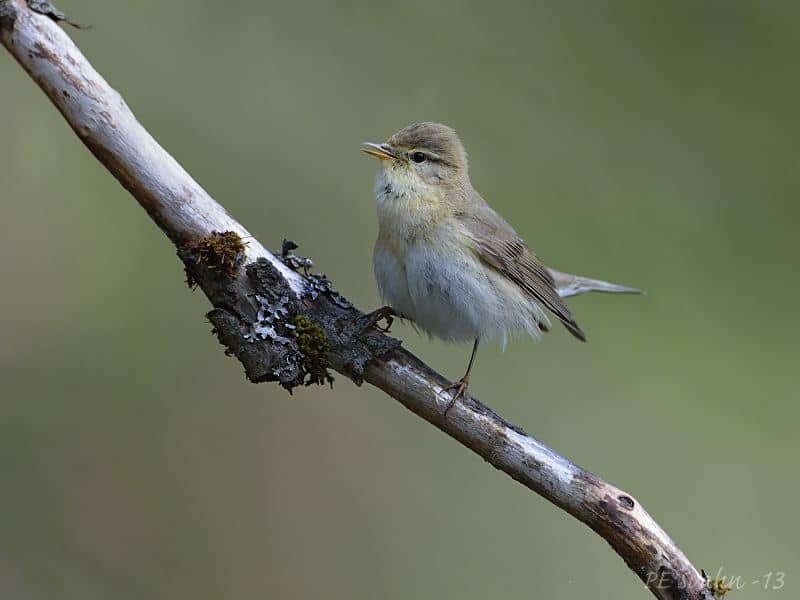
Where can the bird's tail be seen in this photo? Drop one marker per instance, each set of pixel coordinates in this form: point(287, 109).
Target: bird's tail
point(573, 285)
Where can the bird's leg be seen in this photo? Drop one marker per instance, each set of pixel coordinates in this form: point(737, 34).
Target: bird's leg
point(460, 386)
point(376, 316)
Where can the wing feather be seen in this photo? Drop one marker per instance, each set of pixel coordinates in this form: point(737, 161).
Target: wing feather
point(499, 247)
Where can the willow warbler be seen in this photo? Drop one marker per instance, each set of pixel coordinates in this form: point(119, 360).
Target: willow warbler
point(445, 260)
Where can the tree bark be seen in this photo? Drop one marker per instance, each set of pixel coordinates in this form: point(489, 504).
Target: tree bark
point(289, 326)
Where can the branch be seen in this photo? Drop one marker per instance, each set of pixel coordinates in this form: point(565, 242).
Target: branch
point(287, 327)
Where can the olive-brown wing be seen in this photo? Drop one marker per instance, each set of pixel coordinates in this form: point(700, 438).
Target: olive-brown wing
point(499, 247)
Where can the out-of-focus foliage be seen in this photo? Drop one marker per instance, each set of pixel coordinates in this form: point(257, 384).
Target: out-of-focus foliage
point(654, 144)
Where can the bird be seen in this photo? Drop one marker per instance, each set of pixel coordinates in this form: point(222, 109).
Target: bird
point(445, 260)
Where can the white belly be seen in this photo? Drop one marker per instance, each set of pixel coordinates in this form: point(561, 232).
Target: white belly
point(452, 296)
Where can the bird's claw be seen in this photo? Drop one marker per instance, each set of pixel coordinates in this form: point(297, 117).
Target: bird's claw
point(385, 313)
point(460, 387)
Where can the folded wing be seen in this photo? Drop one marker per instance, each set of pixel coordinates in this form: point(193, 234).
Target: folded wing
point(499, 247)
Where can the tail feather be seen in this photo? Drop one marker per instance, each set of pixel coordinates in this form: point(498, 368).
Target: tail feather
point(573, 285)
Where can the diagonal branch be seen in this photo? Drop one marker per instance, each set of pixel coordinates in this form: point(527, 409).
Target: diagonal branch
point(287, 327)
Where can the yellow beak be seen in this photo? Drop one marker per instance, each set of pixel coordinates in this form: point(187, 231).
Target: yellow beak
point(381, 151)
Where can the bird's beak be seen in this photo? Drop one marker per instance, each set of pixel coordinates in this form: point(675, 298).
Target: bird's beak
point(381, 151)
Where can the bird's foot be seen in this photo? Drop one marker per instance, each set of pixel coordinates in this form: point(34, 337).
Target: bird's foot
point(459, 388)
point(376, 316)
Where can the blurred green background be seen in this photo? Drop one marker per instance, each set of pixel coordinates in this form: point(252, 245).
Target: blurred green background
point(651, 144)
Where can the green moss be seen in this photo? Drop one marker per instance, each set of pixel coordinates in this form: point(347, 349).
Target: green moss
point(313, 343)
point(718, 587)
point(221, 252)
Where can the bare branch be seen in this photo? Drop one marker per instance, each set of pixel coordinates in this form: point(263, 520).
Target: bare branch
point(289, 328)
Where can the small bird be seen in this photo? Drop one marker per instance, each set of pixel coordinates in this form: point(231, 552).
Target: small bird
point(445, 260)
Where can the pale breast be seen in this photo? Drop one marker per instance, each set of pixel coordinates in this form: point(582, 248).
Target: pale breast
point(390, 273)
point(403, 217)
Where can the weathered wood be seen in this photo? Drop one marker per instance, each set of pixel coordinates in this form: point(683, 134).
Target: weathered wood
point(291, 328)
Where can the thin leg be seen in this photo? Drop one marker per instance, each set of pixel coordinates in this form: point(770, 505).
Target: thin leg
point(460, 386)
point(471, 359)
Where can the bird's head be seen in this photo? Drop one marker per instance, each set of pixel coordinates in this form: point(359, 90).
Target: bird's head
point(422, 155)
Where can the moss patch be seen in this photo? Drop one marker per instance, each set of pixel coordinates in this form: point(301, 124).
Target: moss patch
point(718, 587)
point(313, 343)
point(222, 252)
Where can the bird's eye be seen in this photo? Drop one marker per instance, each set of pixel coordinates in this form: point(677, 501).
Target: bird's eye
point(418, 157)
